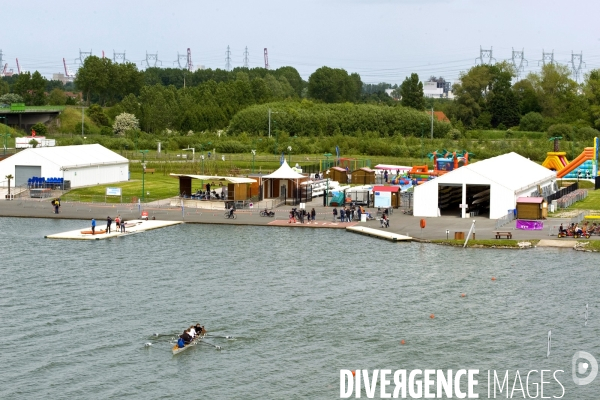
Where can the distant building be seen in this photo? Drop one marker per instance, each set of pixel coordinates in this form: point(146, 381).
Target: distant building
point(61, 77)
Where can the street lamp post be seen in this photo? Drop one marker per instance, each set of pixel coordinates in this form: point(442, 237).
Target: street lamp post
point(143, 171)
point(290, 155)
point(82, 108)
point(253, 154)
point(202, 157)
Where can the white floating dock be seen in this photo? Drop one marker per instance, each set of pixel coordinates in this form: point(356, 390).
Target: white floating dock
point(394, 237)
point(131, 227)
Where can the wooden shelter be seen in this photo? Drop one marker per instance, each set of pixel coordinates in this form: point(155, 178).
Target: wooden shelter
point(238, 188)
point(338, 174)
point(532, 208)
point(363, 176)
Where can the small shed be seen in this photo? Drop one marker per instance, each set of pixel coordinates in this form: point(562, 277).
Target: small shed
point(338, 174)
point(363, 176)
point(386, 196)
point(532, 208)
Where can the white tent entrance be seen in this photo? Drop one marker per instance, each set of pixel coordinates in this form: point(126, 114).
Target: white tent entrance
point(285, 185)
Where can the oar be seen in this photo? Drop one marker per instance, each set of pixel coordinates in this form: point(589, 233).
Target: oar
point(210, 344)
point(221, 337)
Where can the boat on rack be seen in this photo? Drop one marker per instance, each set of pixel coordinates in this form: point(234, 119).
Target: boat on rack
point(176, 349)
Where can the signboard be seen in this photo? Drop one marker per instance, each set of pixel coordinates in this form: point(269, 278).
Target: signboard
point(383, 199)
point(113, 191)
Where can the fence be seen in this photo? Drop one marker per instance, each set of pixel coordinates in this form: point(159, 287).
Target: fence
point(571, 198)
point(500, 222)
point(563, 192)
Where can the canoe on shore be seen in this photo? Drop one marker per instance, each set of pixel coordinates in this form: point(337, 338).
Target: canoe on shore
point(89, 232)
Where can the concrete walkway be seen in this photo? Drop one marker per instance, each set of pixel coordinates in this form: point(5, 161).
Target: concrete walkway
point(399, 223)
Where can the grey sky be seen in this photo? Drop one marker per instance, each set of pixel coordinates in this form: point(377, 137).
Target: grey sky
point(382, 40)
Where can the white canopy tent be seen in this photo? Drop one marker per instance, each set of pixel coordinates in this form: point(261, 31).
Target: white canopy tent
point(285, 172)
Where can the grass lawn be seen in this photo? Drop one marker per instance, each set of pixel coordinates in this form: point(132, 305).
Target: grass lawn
point(484, 243)
point(157, 185)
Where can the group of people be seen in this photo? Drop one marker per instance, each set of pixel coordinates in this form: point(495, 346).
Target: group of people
point(348, 214)
point(190, 334)
point(575, 230)
point(119, 224)
point(300, 215)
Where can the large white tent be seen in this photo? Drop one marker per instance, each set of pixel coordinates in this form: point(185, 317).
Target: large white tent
point(491, 185)
point(284, 177)
point(83, 165)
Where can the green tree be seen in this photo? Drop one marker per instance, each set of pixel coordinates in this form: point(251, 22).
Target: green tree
point(591, 89)
point(502, 103)
point(527, 97)
point(40, 129)
point(10, 98)
point(92, 77)
point(97, 115)
point(57, 97)
point(471, 93)
point(334, 85)
point(411, 91)
point(556, 91)
point(124, 123)
point(532, 121)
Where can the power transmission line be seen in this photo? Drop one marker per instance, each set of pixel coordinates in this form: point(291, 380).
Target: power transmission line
point(228, 59)
point(151, 60)
point(83, 55)
point(547, 58)
point(120, 57)
point(245, 58)
point(576, 62)
point(518, 58)
point(485, 54)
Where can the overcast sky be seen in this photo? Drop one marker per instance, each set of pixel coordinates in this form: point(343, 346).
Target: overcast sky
point(382, 40)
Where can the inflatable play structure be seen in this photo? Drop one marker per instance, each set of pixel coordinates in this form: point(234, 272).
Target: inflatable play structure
point(446, 161)
point(584, 166)
point(443, 162)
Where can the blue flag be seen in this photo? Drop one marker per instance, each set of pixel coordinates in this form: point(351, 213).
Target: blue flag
point(282, 159)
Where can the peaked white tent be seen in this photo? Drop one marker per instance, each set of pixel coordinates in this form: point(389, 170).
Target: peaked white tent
point(502, 179)
point(284, 173)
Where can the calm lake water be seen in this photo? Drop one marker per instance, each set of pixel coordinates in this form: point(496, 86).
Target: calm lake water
point(301, 303)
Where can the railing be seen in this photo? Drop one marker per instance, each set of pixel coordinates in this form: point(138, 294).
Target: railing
point(579, 217)
point(563, 192)
point(500, 222)
point(572, 198)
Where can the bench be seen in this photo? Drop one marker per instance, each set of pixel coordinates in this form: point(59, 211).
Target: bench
point(149, 170)
point(499, 234)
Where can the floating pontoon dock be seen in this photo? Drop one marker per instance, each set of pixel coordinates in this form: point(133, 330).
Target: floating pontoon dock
point(394, 237)
point(131, 227)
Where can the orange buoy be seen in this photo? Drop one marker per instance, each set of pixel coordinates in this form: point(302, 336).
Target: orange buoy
point(432, 316)
point(462, 295)
point(493, 278)
point(353, 373)
point(402, 341)
point(423, 223)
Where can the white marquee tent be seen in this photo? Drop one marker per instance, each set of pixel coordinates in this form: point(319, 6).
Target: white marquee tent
point(83, 165)
point(496, 182)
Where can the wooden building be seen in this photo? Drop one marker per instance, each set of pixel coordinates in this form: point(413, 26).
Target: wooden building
point(363, 176)
point(532, 208)
point(338, 174)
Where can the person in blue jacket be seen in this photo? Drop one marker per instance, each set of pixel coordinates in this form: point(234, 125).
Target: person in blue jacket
point(93, 226)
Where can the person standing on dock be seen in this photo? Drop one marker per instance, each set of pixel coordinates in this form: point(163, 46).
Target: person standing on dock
point(93, 226)
point(122, 226)
point(334, 214)
point(108, 224)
